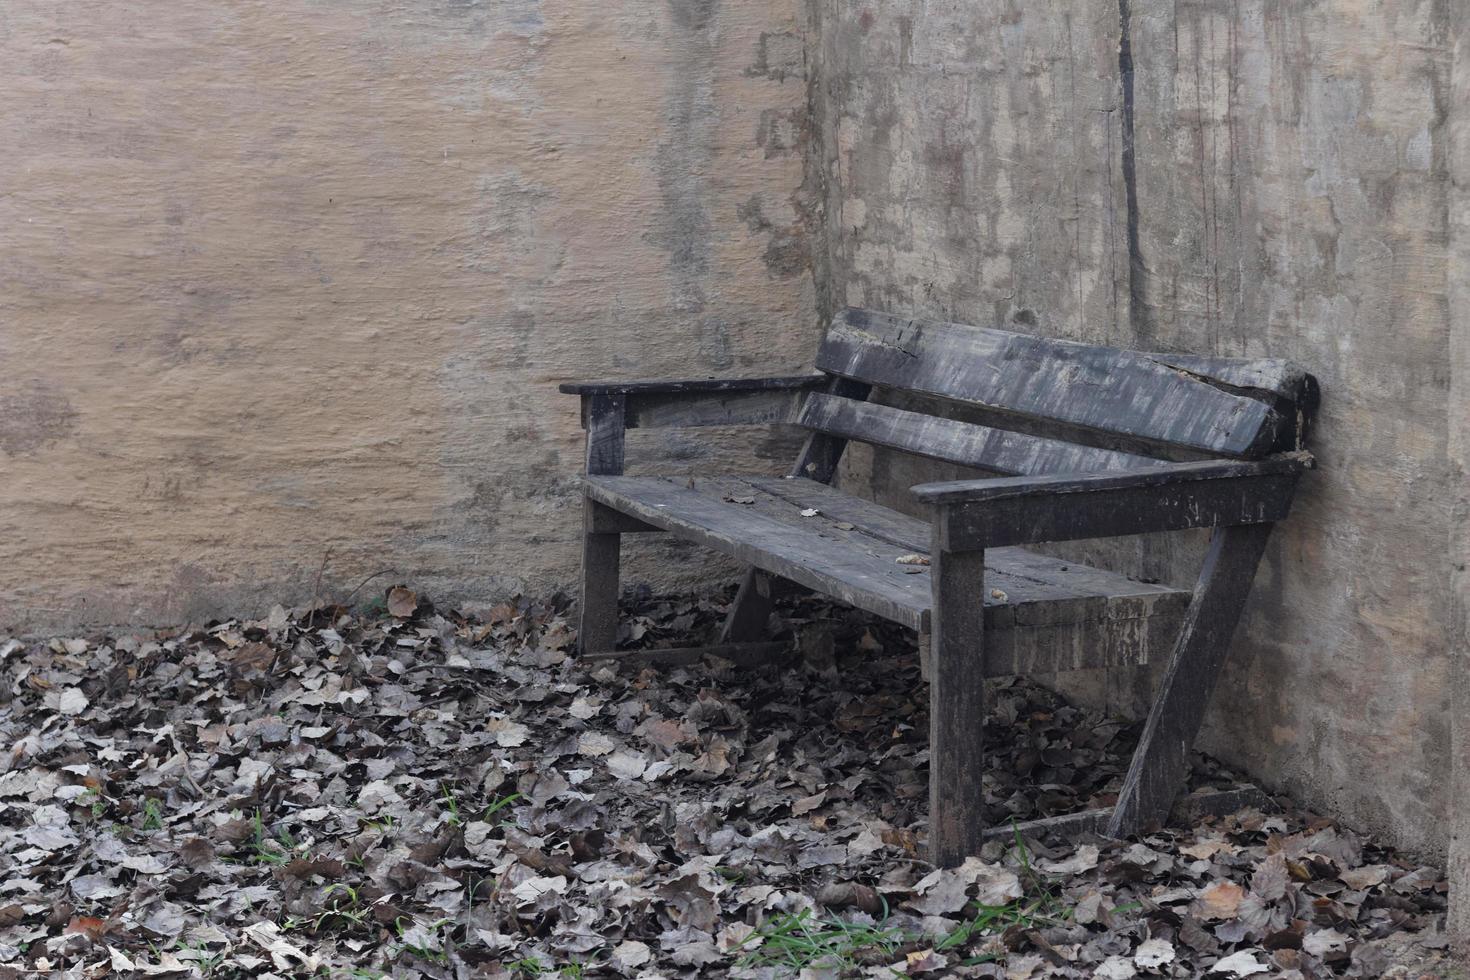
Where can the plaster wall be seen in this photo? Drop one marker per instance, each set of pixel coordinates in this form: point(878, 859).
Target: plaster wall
point(1239, 177)
point(286, 287)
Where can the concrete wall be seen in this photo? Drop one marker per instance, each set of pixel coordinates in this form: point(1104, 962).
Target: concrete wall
point(1459, 421)
point(286, 288)
point(288, 280)
point(1241, 177)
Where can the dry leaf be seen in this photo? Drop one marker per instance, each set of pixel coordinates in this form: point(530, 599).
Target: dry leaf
point(1242, 964)
point(1361, 879)
point(1115, 968)
point(1220, 901)
point(1153, 953)
point(1324, 941)
point(1206, 849)
point(89, 926)
point(850, 894)
point(402, 602)
point(1268, 883)
point(490, 799)
point(1085, 859)
point(594, 744)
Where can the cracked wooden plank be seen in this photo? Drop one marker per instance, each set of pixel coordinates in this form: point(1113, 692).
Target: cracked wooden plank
point(1084, 387)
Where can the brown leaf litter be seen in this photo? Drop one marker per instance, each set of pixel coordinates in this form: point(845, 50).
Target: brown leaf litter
point(419, 793)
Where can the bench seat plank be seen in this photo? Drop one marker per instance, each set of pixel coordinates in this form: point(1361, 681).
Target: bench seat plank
point(1056, 591)
point(1041, 614)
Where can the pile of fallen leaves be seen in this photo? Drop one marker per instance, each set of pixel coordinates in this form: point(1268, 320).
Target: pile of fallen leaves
point(412, 792)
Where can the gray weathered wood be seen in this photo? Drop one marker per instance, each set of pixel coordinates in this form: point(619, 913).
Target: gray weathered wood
point(1168, 474)
point(1096, 388)
point(956, 707)
point(750, 610)
point(1187, 812)
point(984, 608)
point(707, 408)
point(1042, 611)
point(817, 462)
point(1015, 650)
point(979, 446)
point(741, 654)
point(1264, 376)
point(604, 424)
point(852, 571)
point(697, 402)
point(677, 385)
point(605, 520)
point(991, 513)
point(1042, 590)
point(1162, 760)
point(598, 628)
point(823, 451)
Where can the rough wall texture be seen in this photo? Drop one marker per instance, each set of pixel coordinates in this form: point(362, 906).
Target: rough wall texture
point(1243, 177)
point(1459, 419)
point(287, 279)
point(285, 290)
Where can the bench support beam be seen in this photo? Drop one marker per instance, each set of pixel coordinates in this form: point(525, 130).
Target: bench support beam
point(1161, 761)
point(751, 611)
point(1186, 812)
point(740, 654)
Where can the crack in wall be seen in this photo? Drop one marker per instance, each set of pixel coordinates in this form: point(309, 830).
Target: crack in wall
point(1142, 328)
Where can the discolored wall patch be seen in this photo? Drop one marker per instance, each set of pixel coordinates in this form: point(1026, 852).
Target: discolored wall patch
point(301, 280)
point(33, 415)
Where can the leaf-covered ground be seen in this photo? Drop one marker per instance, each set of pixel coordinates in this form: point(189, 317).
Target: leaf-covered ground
point(414, 793)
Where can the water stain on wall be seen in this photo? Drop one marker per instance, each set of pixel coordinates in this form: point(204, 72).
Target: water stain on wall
point(33, 415)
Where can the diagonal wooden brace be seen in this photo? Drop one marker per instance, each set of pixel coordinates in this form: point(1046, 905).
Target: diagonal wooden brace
point(1161, 760)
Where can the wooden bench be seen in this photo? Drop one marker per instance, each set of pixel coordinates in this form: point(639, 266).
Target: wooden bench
point(1090, 442)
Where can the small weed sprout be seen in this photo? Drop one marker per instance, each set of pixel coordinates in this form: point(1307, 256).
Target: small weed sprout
point(451, 805)
point(500, 803)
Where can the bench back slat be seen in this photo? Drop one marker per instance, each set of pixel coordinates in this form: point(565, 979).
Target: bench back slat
point(952, 441)
point(1257, 376)
point(1199, 405)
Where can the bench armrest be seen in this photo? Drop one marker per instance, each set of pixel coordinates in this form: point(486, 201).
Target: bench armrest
point(978, 514)
point(611, 407)
point(692, 386)
point(692, 402)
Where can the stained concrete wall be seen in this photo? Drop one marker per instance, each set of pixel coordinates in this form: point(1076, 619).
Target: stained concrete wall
point(1459, 441)
point(286, 287)
point(1238, 177)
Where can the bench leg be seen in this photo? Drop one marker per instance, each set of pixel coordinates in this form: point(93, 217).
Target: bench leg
point(598, 631)
point(751, 610)
point(957, 818)
point(1161, 762)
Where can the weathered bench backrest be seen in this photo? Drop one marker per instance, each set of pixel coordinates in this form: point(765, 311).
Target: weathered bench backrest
point(1079, 407)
